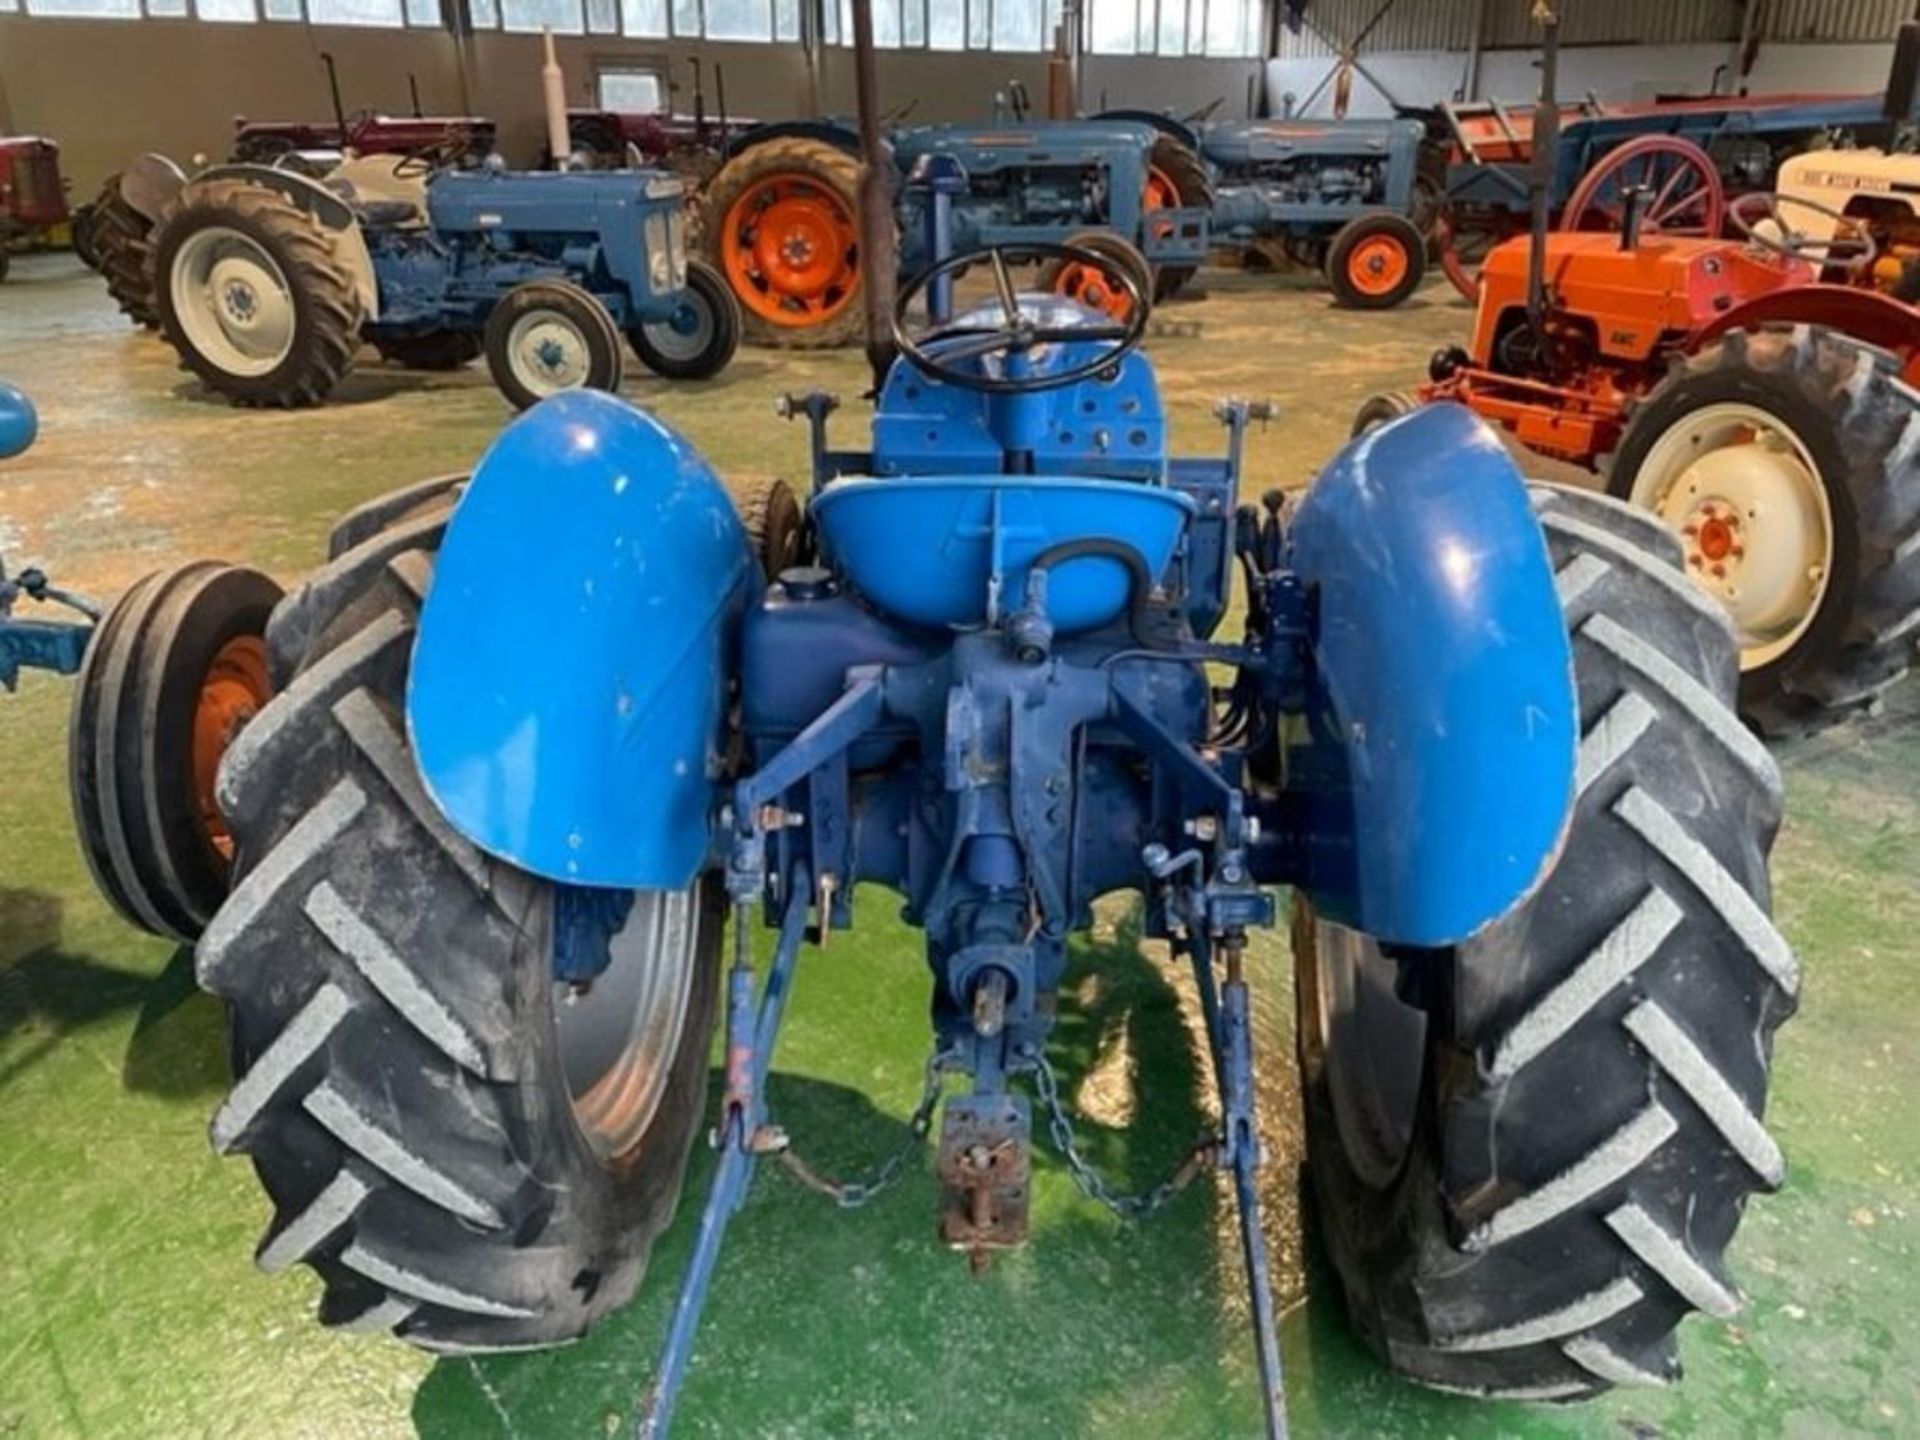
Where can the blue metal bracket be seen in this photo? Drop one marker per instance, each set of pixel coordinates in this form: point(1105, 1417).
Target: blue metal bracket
point(56, 645)
point(1228, 1013)
point(742, 1136)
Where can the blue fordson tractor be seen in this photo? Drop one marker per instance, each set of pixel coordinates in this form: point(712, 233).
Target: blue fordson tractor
point(779, 217)
point(1353, 199)
point(490, 828)
point(267, 281)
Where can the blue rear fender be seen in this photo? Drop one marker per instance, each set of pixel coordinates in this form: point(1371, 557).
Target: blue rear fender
point(569, 684)
point(1443, 707)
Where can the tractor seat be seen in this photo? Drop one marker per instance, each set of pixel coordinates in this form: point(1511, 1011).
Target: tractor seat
point(389, 214)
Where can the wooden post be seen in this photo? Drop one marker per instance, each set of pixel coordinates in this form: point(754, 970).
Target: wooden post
point(879, 243)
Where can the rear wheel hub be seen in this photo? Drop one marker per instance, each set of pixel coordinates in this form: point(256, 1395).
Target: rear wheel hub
point(1742, 492)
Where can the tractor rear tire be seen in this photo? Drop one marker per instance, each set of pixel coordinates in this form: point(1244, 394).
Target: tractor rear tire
point(705, 350)
point(1846, 405)
point(1376, 261)
point(1528, 1152)
point(1193, 188)
point(1072, 280)
point(291, 261)
point(434, 350)
point(171, 675)
point(121, 239)
point(821, 184)
point(407, 1065)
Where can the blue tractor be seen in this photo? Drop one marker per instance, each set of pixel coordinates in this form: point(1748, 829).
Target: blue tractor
point(267, 281)
point(537, 734)
point(779, 218)
point(1353, 199)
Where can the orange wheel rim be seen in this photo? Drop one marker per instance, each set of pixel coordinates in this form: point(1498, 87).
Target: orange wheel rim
point(235, 687)
point(1160, 194)
point(1093, 288)
point(1377, 265)
point(791, 251)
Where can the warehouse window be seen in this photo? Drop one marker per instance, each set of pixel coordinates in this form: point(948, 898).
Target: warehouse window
point(383, 13)
point(89, 9)
point(1022, 26)
point(1221, 28)
point(524, 17)
point(630, 90)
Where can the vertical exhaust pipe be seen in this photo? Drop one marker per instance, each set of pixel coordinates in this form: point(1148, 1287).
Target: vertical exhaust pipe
point(553, 89)
point(1546, 141)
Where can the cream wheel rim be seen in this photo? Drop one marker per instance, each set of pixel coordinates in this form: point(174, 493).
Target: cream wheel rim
point(1742, 492)
point(549, 353)
point(233, 301)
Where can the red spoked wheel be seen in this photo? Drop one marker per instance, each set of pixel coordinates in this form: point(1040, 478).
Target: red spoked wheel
point(1683, 191)
point(1461, 241)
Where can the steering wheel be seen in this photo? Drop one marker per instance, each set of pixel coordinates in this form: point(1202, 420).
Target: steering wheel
point(1851, 247)
point(444, 153)
point(937, 353)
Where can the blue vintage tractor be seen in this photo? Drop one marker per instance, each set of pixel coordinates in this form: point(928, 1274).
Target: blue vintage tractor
point(779, 218)
point(537, 733)
point(166, 678)
point(1354, 199)
point(266, 281)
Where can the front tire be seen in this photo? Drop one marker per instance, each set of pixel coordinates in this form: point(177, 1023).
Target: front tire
point(1782, 460)
point(172, 675)
point(467, 1157)
point(253, 295)
point(700, 340)
point(1529, 1152)
point(550, 336)
point(1376, 261)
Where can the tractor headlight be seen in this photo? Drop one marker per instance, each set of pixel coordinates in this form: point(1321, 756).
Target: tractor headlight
point(677, 247)
point(659, 262)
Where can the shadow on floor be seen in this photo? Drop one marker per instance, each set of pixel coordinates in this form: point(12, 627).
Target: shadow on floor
point(825, 1322)
point(177, 1048)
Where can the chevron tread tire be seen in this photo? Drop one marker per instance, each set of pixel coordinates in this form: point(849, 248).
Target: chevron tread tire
point(1577, 1131)
point(401, 1056)
point(327, 311)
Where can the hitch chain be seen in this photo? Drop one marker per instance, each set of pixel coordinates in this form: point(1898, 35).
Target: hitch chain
point(852, 1194)
point(1203, 1156)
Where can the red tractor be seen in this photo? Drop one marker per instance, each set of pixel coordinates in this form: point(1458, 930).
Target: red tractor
point(33, 198)
point(1750, 396)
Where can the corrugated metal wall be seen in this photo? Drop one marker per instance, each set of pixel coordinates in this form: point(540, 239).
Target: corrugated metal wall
point(1448, 24)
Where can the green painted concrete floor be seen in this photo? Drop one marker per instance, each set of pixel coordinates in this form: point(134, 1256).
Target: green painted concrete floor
point(128, 1303)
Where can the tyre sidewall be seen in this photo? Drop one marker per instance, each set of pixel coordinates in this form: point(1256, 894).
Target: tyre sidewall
point(708, 290)
point(1351, 236)
point(578, 309)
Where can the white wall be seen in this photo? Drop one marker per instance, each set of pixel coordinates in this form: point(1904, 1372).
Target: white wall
point(1611, 72)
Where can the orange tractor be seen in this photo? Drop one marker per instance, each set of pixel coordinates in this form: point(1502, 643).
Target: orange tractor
point(1758, 395)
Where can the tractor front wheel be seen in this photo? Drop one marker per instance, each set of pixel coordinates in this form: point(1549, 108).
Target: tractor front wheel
point(469, 1153)
point(698, 340)
point(1376, 261)
point(547, 336)
point(172, 675)
point(1529, 1151)
point(1783, 462)
point(253, 294)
